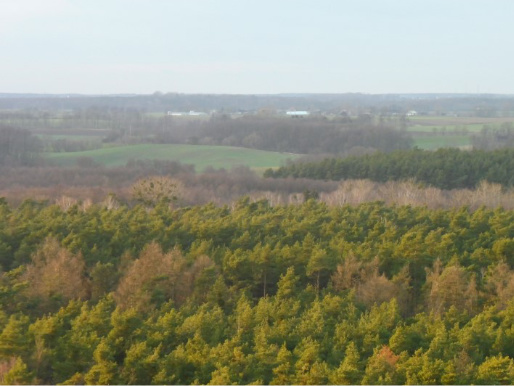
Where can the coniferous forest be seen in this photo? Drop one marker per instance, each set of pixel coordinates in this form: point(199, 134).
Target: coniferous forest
point(254, 293)
point(445, 168)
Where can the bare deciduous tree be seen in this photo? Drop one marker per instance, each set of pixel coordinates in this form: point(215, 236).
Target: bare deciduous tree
point(155, 189)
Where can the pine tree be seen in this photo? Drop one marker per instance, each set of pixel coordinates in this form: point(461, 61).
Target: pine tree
point(104, 371)
point(18, 374)
point(348, 372)
point(496, 370)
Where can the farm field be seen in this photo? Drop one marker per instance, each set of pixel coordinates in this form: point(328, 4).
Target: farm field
point(448, 120)
point(75, 134)
point(470, 128)
point(434, 142)
point(471, 124)
point(199, 156)
point(54, 137)
point(432, 133)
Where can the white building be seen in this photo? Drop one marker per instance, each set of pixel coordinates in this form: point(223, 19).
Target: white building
point(190, 113)
point(298, 114)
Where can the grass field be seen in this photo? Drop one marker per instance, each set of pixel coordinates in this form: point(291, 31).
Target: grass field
point(471, 128)
point(432, 133)
point(450, 124)
point(54, 137)
point(434, 142)
point(200, 156)
point(449, 120)
point(75, 134)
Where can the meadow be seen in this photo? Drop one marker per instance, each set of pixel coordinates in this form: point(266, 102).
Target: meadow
point(452, 120)
point(438, 141)
point(434, 132)
point(198, 155)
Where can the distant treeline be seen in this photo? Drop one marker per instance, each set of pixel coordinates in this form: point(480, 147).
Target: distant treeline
point(491, 138)
point(304, 136)
point(444, 168)
point(478, 105)
point(17, 146)
point(265, 131)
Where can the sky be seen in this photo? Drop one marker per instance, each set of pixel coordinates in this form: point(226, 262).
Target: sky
point(256, 46)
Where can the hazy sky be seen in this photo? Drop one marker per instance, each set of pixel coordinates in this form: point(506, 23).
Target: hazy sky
point(256, 46)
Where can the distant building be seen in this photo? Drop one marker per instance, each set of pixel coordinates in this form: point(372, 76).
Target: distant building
point(196, 113)
point(181, 114)
point(411, 113)
point(298, 114)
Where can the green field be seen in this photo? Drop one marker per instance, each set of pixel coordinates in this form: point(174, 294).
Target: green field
point(434, 142)
point(471, 128)
point(200, 156)
point(455, 124)
point(432, 133)
point(74, 134)
point(54, 137)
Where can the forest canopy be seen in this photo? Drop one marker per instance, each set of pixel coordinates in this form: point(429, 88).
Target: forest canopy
point(251, 293)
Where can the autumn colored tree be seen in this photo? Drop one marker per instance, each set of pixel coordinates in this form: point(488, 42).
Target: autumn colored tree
point(154, 278)
point(56, 276)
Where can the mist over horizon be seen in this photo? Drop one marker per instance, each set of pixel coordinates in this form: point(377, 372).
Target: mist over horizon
point(256, 48)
